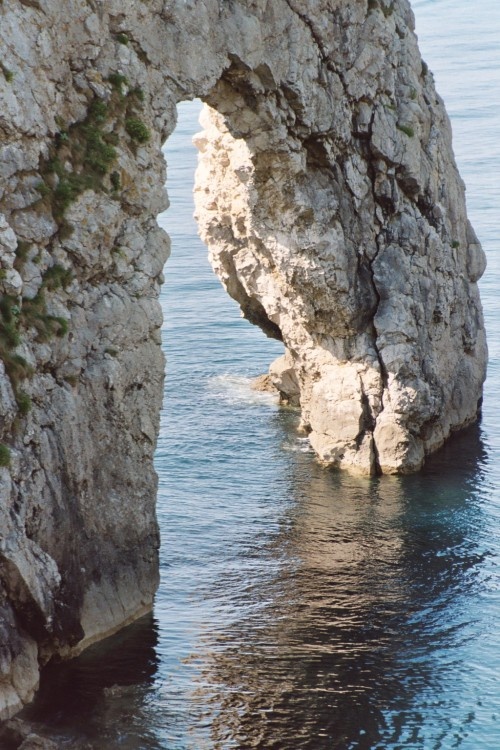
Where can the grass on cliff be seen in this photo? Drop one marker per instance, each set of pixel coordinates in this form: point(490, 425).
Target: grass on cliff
point(137, 130)
point(82, 155)
point(80, 158)
point(15, 318)
point(4, 455)
point(7, 74)
point(407, 130)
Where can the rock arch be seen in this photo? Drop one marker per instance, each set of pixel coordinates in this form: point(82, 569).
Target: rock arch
point(334, 213)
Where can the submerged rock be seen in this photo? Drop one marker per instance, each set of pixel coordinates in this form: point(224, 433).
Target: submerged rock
point(19, 735)
point(330, 200)
point(264, 384)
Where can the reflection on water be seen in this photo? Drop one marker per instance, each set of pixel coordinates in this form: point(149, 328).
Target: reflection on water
point(359, 632)
point(350, 626)
point(98, 697)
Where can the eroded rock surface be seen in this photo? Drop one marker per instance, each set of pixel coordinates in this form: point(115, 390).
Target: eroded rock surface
point(334, 213)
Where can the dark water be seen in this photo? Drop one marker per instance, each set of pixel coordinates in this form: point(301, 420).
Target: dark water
point(300, 608)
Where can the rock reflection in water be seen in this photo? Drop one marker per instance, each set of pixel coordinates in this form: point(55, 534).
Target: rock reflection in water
point(364, 627)
point(97, 697)
point(349, 626)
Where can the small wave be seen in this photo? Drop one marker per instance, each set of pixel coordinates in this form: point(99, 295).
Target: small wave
point(237, 389)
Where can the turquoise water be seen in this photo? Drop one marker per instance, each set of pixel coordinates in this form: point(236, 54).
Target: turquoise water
point(299, 608)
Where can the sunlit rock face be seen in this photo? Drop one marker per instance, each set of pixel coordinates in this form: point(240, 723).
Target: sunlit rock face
point(331, 204)
point(329, 198)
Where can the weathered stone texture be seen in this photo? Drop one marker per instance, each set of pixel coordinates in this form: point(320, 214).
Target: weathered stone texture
point(334, 214)
point(330, 201)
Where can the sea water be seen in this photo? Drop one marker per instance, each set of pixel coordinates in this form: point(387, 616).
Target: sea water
point(299, 608)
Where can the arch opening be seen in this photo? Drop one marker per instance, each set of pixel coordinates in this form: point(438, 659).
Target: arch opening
point(301, 233)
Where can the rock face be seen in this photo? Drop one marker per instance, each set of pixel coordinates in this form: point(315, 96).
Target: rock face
point(335, 216)
point(329, 198)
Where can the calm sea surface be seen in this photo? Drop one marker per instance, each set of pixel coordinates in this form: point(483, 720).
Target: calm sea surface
point(300, 609)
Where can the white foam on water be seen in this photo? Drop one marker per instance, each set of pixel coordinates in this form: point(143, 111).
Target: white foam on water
point(299, 445)
point(237, 389)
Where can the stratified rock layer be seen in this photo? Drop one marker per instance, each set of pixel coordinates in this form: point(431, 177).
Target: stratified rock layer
point(330, 200)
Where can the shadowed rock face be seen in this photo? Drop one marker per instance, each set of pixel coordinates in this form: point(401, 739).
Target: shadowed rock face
point(329, 198)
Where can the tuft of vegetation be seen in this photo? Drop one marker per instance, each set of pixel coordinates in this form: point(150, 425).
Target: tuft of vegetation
point(16, 366)
point(115, 180)
point(137, 130)
point(425, 68)
point(407, 130)
point(30, 314)
point(91, 156)
point(83, 154)
point(4, 455)
point(68, 189)
point(137, 92)
point(43, 189)
point(7, 74)
point(455, 244)
point(98, 112)
point(56, 277)
point(66, 229)
point(62, 137)
point(24, 403)
point(59, 326)
point(9, 322)
point(122, 38)
point(34, 315)
point(118, 81)
point(99, 155)
point(22, 251)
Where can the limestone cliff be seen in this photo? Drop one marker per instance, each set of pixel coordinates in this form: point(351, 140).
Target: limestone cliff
point(334, 213)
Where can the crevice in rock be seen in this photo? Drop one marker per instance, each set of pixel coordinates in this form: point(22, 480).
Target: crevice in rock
point(319, 44)
point(315, 36)
point(372, 173)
